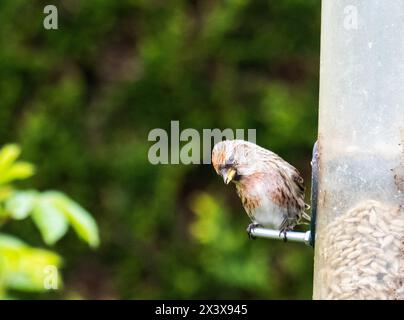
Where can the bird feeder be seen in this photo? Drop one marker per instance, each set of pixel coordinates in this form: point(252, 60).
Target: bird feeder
point(359, 252)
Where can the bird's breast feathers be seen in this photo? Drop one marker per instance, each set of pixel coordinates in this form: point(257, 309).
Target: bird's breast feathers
point(262, 199)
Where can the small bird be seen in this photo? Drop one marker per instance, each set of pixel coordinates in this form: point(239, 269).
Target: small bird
point(271, 190)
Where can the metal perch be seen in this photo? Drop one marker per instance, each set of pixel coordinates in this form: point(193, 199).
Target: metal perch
point(275, 234)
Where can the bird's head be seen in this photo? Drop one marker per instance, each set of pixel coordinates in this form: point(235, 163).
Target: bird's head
point(235, 159)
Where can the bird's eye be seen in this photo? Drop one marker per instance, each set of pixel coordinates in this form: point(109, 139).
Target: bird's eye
point(227, 165)
point(230, 162)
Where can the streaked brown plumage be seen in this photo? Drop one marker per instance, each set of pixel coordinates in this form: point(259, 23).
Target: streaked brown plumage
point(271, 190)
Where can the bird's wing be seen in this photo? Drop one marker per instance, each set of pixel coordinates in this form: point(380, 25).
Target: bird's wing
point(298, 180)
point(291, 172)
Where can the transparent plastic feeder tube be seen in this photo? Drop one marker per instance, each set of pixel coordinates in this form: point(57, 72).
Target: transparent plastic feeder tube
point(359, 251)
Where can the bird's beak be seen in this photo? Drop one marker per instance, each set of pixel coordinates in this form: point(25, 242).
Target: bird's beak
point(229, 175)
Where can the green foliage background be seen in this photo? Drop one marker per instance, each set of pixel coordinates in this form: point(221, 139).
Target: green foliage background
point(82, 99)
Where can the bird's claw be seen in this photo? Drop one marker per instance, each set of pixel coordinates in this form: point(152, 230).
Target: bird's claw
point(250, 229)
point(285, 238)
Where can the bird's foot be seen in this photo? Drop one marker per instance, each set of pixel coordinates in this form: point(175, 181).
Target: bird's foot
point(250, 229)
point(284, 231)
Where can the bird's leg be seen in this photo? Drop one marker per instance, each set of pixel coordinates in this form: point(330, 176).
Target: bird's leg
point(285, 238)
point(284, 227)
point(250, 228)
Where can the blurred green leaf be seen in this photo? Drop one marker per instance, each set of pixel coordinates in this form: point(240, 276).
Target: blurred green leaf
point(10, 169)
point(18, 171)
point(81, 221)
point(50, 221)
point(23, 267)
point(7, 241)
point(8, 154)
point(21, 203)
point(5, 192)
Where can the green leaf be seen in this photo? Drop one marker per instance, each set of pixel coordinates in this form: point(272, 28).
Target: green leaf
point(10, 169)
point(5, 192)
point(50, 221)
point(23, 267)
point(18, 171)
point(8, 154)
point(10, 241)
point(21, 203)
point(81, 220)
